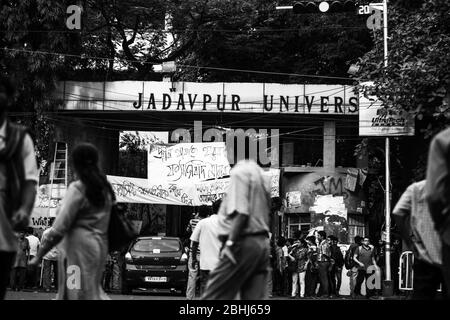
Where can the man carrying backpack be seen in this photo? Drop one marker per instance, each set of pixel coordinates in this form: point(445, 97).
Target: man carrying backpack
point(350, 264)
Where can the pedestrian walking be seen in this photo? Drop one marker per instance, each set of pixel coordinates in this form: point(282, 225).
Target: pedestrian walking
point(108, 273)
point(81, 227)
point(364, 257)
point(323, 259)
point(290, 267)
point(270, 280)
point(437, 192)
point(351, 265)
point(19, 271)
point(300, 253)
point(206, 238)
point(312, 268)
point(337, 262)
point(194, 257)
point(244, 229)
point(417, 228)
point(33, 273)
point(49, 265)
point(19, 176)
point(280, 265)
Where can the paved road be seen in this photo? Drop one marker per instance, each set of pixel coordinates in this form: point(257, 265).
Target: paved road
point(156, 295)
point(27, 295)
point(145, 295)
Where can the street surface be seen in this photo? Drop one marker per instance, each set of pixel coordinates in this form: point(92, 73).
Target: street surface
point(35, 295)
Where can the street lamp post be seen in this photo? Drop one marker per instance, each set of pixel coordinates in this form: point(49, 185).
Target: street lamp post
point(388, 285)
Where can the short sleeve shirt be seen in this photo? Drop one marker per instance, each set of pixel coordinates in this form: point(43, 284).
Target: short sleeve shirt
point(28, 155)
point(324, 252)
point(426, 239)
point(34, 244)
point(8, 240)
point(205, 233)
point(248, 194)
point(365, 256)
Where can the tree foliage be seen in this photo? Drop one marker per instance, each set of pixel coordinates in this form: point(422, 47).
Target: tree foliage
point(418, 74)
point(254, 35)
point(25, 29)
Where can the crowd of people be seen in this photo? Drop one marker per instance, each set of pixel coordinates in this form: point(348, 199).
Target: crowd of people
point(27, 277)
point(312, 266)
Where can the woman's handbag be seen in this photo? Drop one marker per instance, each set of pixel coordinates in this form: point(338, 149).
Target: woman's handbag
point(121, 232)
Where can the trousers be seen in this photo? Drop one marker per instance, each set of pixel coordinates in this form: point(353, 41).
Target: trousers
point(248, 277)
point(298, 278)
point(6, 261)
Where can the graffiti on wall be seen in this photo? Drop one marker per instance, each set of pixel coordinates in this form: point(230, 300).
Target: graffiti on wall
point(328, 199)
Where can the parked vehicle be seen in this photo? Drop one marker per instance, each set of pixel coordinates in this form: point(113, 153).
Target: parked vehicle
point(155, 262)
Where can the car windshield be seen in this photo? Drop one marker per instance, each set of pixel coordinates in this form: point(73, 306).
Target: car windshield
point(158, 245)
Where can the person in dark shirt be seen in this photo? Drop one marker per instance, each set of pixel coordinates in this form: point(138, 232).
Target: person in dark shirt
point(364, 257)
point(352, 267)
point(19, 176)
point(19, 271)
point(437, 192)
point(337, 262)
point(312, 268)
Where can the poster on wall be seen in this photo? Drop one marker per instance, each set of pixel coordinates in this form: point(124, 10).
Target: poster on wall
point(293, 199)
point(44, 210)
point(330, 213)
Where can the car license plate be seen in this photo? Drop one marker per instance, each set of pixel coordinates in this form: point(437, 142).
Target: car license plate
point(156, 279)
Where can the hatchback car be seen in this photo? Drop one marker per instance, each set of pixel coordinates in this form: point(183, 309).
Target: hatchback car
point(155, 262)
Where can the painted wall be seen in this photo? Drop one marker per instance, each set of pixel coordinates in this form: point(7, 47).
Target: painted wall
point(326, 197)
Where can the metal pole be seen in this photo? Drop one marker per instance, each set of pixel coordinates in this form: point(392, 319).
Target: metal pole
point(388, 215)
point(388, 288)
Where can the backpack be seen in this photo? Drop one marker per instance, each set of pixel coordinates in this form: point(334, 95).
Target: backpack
point(348, 259)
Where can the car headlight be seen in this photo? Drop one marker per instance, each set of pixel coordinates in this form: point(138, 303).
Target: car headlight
point(184, 258)
point(128, 257)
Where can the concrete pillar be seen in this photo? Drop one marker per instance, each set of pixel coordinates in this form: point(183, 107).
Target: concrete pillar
point(287, 158)
point(329, 144)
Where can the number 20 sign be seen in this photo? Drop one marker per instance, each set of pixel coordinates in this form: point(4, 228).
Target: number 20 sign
point(374, 20)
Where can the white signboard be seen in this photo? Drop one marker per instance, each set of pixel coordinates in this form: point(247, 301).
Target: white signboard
point(376, 120)
point(221, 97)
point(134, 190)
point(45, 210)
point(188, 162)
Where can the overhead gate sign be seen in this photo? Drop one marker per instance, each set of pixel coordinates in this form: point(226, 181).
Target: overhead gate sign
point(222, 97)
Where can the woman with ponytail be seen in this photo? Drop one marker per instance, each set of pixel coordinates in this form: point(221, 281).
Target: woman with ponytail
point(81, 228)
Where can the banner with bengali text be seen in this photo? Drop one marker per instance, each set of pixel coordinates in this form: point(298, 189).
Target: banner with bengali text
point(135, 190)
